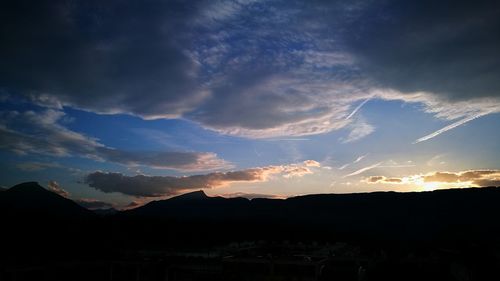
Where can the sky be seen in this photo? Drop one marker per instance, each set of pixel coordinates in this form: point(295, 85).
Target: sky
point(117, 103)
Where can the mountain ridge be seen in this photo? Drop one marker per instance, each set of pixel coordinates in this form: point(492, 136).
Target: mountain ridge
point(442, 215)
point(31, 199)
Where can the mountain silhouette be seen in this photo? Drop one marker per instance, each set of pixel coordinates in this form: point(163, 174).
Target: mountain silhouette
point(192, 205)
point(195, 195)
point(469, 213)
point(41, 225)
point(412, 215)
point(29, 199)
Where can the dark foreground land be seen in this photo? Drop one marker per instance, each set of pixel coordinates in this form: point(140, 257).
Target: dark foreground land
point(439, 235)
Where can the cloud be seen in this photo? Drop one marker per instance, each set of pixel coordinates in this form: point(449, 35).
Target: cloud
point(362, 170)
point(359, 130)
point(357, 160)
point(43, 134)
point(312, 163)
point(216, 63)
point(101, 56)
point(304, 76)
point(475, 177)
point(256, 69)
point(273, 106)
point(386, 164)
point(54, 187)
point(478, 178)
point(382, 179)
point(360, 158)
point(93, 204)
point(448, 49)
point(37, 166)
point(134, 204)
point(90, 204)
point(250, 195)
point(157, 186)
point(451, 126)
point(183, 161)
point(344, 166)
point(357, 109)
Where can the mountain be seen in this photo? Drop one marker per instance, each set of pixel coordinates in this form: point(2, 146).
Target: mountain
point(29, 199)
point(105, 212)
point(413, 215)
point(469, 213)
point(193, 205)
point(41, 223)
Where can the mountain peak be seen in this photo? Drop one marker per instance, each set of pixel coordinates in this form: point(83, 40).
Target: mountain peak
point(32, 200)
point(199, 194)
point(31, 186)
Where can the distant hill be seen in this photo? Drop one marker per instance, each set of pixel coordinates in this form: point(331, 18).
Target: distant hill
point(29, 199)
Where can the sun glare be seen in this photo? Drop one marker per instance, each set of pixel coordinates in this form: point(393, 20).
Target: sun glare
point(428, 186)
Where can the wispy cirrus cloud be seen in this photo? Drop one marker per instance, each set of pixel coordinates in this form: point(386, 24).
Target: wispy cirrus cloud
point(382, 164)
point(359, 129)
point(158, 186)
point(451, 126)
point(357, 109)
point(357, 160)
point(362, 170)
point(37, 166)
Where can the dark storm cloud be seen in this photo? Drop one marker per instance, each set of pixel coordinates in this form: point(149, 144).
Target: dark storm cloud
point(449, 48)
point(100, 55)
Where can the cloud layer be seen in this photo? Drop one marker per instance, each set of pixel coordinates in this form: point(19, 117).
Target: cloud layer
point(256, 69)
point(157, 186)
point(101, 56)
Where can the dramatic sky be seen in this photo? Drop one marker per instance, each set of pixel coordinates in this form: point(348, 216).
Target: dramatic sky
point(116, 103)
